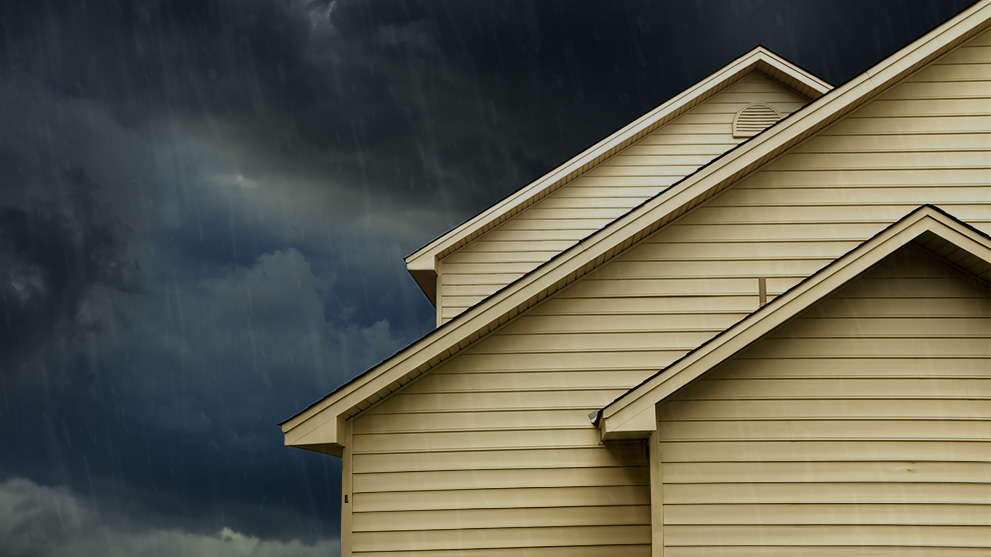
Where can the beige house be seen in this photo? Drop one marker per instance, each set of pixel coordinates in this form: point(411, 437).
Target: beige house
point(755, 321)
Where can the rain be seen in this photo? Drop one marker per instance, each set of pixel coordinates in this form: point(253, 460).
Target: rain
point(205, 206)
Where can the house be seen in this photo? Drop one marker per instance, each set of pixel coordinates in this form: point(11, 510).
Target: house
point(700, 338)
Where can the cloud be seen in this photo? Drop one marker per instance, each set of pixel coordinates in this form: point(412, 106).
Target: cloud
point(175, 401)
point(362, 98)
point(220, 359)
point(51, 255)
point(41, 521)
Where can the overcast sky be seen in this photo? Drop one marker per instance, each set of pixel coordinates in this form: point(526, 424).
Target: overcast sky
point(204, 206)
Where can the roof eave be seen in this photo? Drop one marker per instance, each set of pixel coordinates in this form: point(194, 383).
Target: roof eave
point(426, 279)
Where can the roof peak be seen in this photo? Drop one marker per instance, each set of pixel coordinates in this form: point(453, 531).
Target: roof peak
point(631, 414)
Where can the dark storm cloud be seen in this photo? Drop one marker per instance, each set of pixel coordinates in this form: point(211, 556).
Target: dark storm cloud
point(208, 56)
point(443, 104)
point(175, 427)
point(391, 98)
point(43, 521)
point(276, 71)
point(51, 254)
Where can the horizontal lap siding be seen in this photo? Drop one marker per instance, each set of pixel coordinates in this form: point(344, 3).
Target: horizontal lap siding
point(604, 193)
point(820, 437)
point(494, 453)
point(803, 210)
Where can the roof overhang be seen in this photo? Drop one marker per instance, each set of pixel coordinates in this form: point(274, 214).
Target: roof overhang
point(632, 415)
point(422, 264)
point(320, 426)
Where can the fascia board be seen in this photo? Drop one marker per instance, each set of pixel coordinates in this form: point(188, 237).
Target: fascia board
point(759, 57)
point(328, 432)
point(631, 411)
point(781, 69)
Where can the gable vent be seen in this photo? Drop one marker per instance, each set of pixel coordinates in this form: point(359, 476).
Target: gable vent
point(753, 119)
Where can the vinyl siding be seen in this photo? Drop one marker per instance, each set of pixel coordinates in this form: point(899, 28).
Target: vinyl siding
point(808, 207)
point(856, 427)
point(603, 193)
point(501, 430)
point(493, 453)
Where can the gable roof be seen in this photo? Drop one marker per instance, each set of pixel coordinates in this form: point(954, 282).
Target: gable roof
point(320, 426)
point(631, 415)
point(422, 263)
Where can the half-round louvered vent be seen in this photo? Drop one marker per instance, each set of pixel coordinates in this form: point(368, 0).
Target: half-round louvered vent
point(753, 119)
